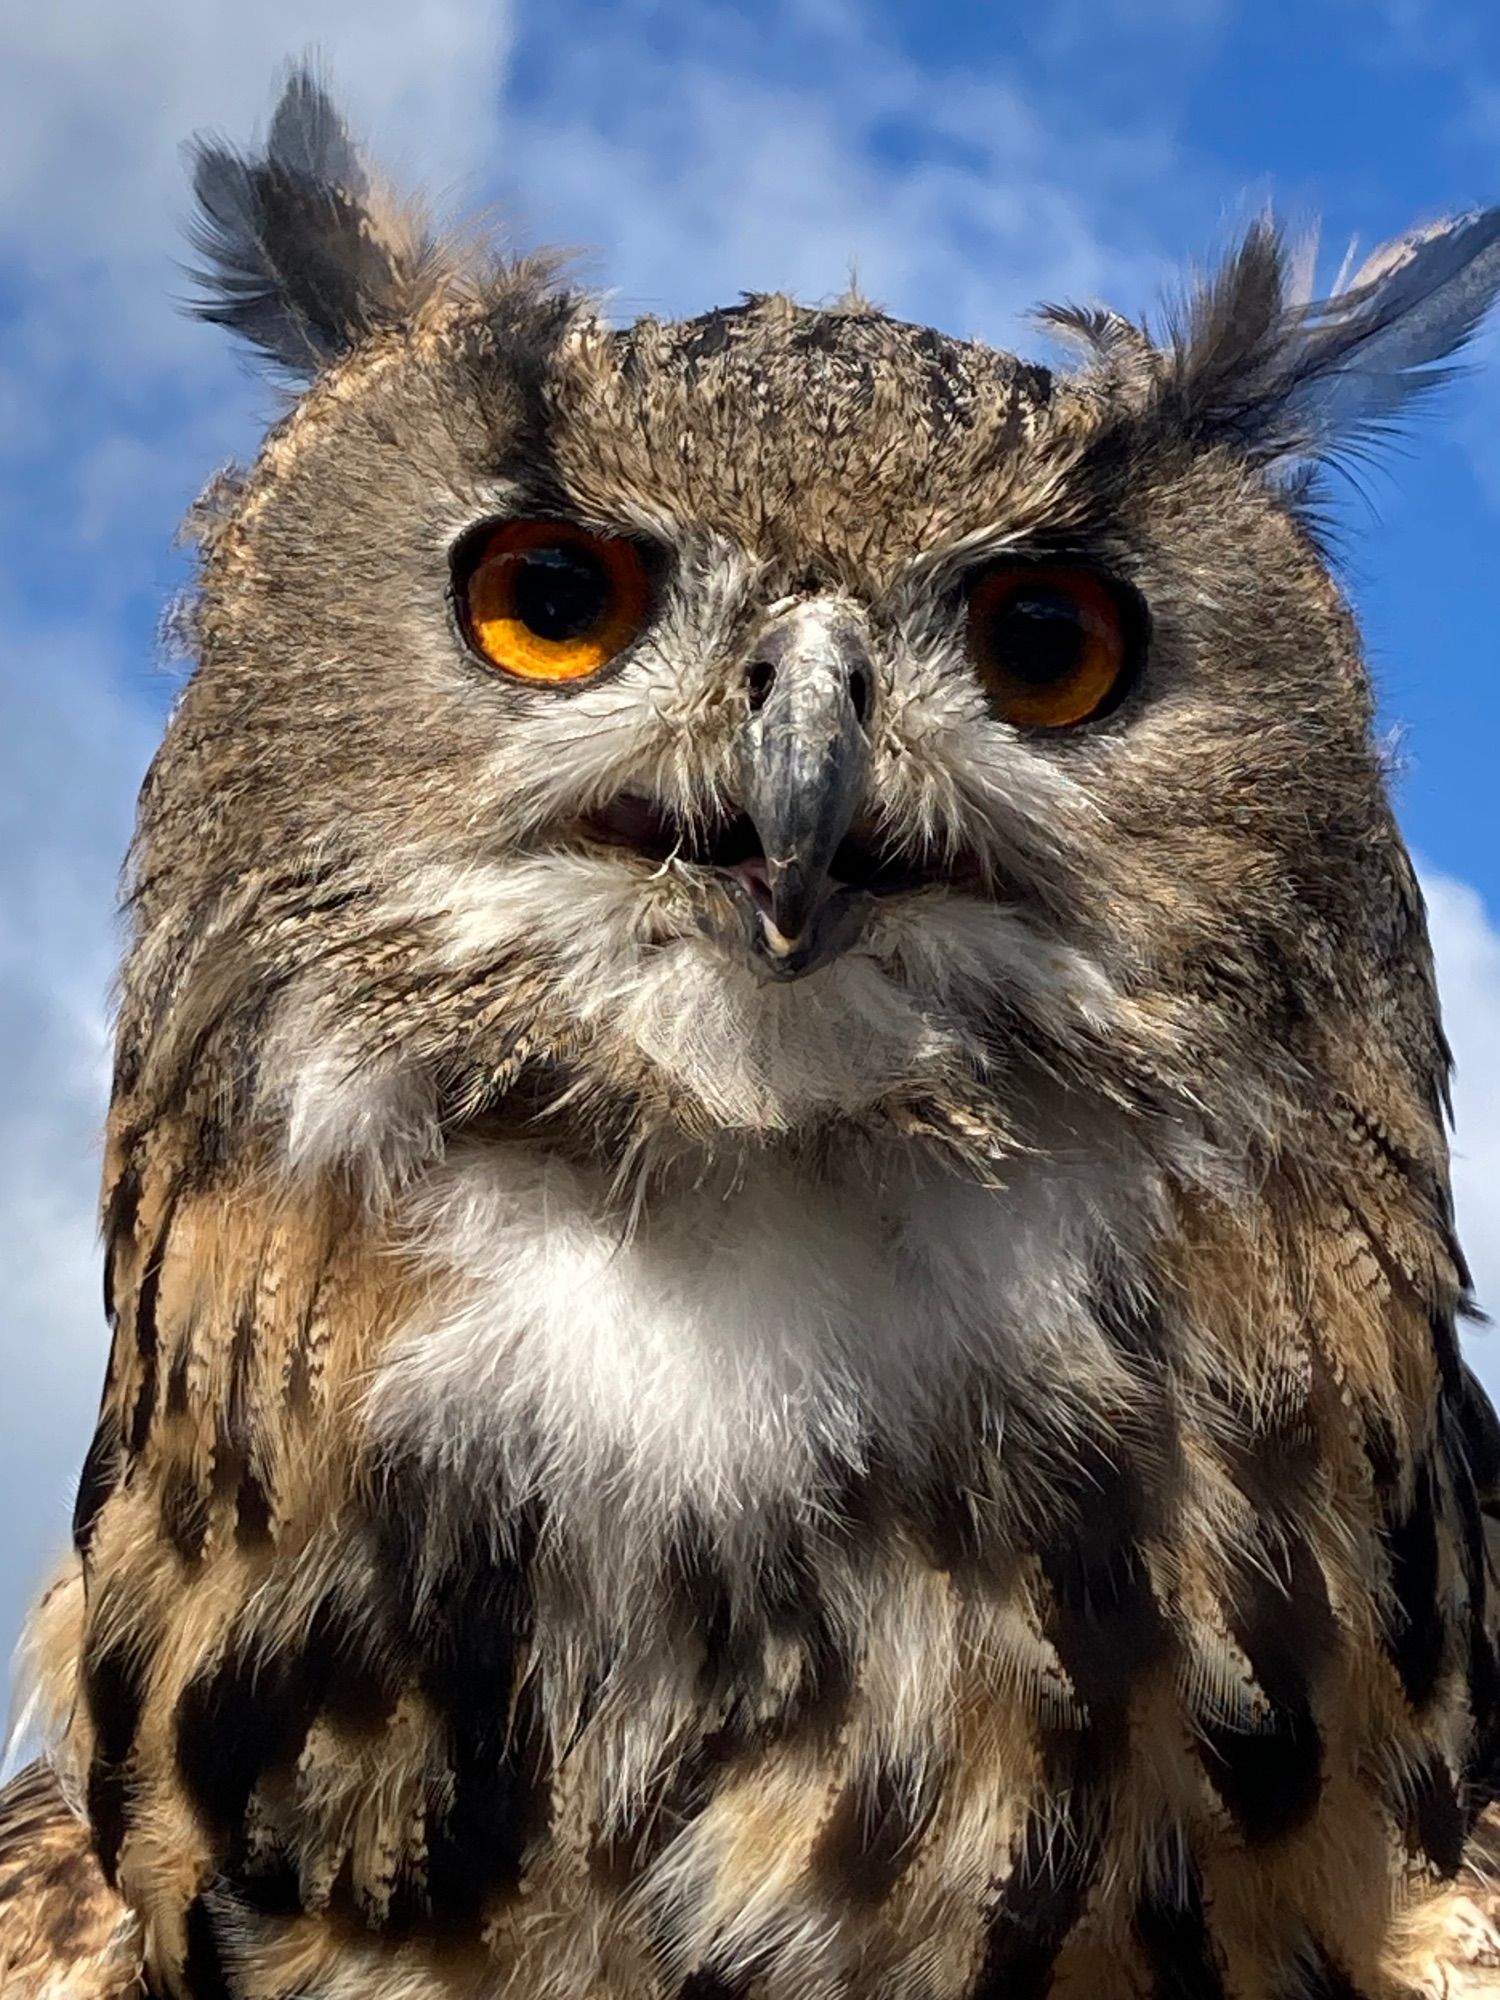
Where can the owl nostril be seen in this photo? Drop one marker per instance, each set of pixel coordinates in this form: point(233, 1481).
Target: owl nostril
point(760, 680)
point(859, 693)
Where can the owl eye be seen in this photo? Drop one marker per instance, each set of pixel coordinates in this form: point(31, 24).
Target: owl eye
point(1053, 646)
point(548, 601)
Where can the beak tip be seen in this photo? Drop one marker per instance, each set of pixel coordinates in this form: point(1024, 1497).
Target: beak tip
point(776, 941)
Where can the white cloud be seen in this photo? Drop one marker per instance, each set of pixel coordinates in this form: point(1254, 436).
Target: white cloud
point(76, 747)
point(107, 389)
point(778, 150)
point(97, 98)
point(1466, 941)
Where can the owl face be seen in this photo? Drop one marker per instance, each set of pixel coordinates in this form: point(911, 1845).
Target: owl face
point(787, 693)
point(779, 721)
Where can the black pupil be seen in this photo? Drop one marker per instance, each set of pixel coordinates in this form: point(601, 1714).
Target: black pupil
point(560, 593)
point(1039, 636)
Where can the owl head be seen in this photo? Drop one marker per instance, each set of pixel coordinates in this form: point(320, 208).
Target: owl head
point(779, 725)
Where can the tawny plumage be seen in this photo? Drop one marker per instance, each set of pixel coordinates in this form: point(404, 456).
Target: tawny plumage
point(776, 1206)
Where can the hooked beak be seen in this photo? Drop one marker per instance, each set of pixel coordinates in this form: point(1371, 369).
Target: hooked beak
point(804, 773)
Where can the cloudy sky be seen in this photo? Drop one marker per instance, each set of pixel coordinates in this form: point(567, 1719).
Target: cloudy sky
point(966, 160)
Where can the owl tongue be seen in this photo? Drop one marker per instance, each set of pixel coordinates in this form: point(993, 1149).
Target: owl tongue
point(755, 875)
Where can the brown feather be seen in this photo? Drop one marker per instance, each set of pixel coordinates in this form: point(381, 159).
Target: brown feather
point(64, 1933)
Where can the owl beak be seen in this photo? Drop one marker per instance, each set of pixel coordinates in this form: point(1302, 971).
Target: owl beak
point(805, 765)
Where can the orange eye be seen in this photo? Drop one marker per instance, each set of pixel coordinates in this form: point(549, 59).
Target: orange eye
point(1051, 645)
point(547, 601)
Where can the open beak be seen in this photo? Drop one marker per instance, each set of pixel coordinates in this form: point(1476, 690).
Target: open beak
point(804, 778)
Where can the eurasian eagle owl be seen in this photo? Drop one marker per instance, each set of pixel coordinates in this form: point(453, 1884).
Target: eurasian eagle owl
point(776, 1202)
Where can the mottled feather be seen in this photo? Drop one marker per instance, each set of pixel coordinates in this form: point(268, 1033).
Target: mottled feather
point(64, 1933)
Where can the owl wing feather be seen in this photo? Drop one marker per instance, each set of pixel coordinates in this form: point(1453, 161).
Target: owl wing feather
point(1470, 1960)
point(64, 1933)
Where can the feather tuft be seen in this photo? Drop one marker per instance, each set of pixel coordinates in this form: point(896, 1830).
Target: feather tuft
point(302, 254)
point(1256, 363)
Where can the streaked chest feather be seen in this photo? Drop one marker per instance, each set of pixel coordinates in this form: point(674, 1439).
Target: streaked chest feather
point(835, 1584)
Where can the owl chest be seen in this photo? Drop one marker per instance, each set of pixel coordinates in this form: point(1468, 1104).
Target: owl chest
point(811, 1590)
point(762, 1637)
point(671, 1562)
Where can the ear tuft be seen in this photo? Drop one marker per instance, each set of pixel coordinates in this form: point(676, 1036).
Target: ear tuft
point(1118, 353)
point(302, 256)
point(1257, 363)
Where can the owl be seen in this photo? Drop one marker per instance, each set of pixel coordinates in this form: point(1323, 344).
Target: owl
point(776, 1206)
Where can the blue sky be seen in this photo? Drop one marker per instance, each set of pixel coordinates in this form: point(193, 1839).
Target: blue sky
point(966, 160)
